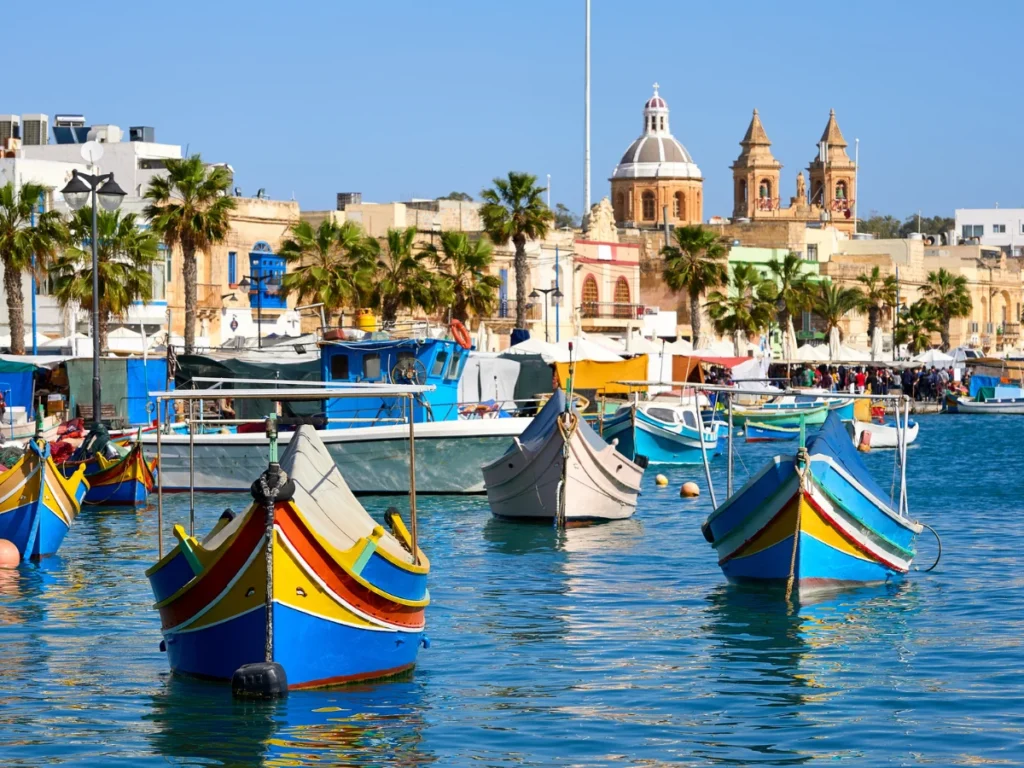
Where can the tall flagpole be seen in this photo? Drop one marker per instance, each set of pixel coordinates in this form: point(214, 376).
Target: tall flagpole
point(586, 121)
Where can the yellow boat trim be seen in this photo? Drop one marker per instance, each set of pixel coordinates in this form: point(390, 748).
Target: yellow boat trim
point(347, 559)
point(245, 592)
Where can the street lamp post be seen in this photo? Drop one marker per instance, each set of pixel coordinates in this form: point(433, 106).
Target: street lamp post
point(77, 193)
point(259, 280)
point(555, 294)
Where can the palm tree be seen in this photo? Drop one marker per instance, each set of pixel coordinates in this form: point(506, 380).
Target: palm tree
point(20, 241)
point(747, 307)
point(878, 294)
point(464, 262)
point(949, 295)
point(125, 257)
point(917, 326)
point(695, 264)
point(402, 280)
point(514, 210)
point(190, 207)
point(795, 289)
point(833, 302)
point(332, 264)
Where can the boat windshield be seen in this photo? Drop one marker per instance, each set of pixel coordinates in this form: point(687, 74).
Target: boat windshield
point(662, 414)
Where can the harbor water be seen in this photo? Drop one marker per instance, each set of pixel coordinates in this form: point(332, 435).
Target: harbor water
point(618, 644)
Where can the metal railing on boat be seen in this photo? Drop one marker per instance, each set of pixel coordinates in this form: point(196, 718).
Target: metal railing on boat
point(408, 392)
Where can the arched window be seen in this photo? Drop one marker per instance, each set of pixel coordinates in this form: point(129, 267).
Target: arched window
point(622, 305)
point(679, 205)
point(841, 191)
point(662, 123)
point(816, 196)
point(591, 297)
point(764, 189)
point(648, 205)
point(741, 191)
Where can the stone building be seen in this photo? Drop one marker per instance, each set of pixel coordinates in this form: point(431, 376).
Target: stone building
point(656, 172)
point(757, 181)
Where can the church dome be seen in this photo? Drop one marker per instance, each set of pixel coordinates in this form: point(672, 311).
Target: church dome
point(656, 153)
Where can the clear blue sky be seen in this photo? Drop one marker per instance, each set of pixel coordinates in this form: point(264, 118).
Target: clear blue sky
point(415, 99)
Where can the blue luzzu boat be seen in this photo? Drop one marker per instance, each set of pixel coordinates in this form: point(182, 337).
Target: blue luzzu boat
point(818, 518)
point(37, 503)
point(663, 433)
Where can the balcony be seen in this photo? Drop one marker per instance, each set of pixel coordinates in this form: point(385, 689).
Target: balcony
point(505, 309)
point(609, 314)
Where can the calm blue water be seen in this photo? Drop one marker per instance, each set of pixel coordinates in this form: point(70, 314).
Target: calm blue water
point(613, 645)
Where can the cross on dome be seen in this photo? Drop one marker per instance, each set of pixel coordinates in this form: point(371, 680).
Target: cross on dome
point(656, 102)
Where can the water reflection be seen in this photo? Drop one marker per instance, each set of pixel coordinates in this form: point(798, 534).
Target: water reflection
point(195, 722)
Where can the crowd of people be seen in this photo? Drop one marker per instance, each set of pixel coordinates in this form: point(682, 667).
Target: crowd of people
point(922, 382)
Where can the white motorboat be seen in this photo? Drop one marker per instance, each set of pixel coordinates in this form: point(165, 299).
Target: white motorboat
point(881, 435)
point(373, 460)
point(561, 470)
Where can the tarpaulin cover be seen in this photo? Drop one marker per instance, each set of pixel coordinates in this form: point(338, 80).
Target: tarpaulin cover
point(601, 376)
point(16, 384)
point(489, 378)
point(978, 381)
point(198, 365)
point(687, 369)
point(534, 377)
point(145, 376)
point(113, 383)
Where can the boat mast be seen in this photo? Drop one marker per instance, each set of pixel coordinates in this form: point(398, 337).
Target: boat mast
point(703, 448)
point(412, 483)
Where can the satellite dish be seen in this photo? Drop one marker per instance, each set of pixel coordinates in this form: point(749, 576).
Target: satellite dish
point(92, 151)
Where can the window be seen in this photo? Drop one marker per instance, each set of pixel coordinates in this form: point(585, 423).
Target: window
point(453, 367)
point(591, 296)
point(972, 230)
point(662, 414)
point(812, 252)
point(371, 366)
point(998, 229)
point(648, 206)
point(841, 190)
point(232, 268)
point(622, 306)
point(764, 189)
point(168, 263)
point(679, 205)
point(438, 367)
point(741, 191)
point(339, 367)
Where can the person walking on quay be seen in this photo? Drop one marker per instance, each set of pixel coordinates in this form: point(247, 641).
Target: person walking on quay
point(861, 379)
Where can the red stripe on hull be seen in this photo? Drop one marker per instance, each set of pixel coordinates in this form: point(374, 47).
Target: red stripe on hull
point(335, 577)
point(214, 581)
point(850, 539)
point(330, 681)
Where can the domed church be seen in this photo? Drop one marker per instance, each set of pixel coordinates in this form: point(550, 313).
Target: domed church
point(654, 173)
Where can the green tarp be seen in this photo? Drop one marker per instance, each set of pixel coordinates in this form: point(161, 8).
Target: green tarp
point(113, 383)
point(190, 366)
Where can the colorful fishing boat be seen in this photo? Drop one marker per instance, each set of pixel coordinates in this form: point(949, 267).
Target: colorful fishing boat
point(122, 477)
point(561, 470)
point(37, 503)
point(343, 599)
point(756, 432)
point(664, 433)
point(998, 400)
point(814, 520)
point(782, 414)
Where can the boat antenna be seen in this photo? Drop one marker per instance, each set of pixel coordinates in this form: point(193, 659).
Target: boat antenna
point(569, 383)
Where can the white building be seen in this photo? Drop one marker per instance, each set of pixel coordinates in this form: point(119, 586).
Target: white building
point(134, 164)
point(999, 227)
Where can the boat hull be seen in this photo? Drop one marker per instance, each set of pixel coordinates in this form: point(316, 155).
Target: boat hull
point(882, 435)
point(822, 524)
point(991, 407)
point(124, 481)
point(782, 417)
point(639, 437)
point(599, 485)
point(333, 620)
point(373, 460)
point(38, 504)
point(756, 432)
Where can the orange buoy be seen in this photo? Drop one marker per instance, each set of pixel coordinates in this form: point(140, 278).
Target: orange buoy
point(689, 490)
point(9, 555)
point(661, 481)
point(865, 441)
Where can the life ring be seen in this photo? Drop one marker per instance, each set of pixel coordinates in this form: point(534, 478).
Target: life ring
point(461, 334)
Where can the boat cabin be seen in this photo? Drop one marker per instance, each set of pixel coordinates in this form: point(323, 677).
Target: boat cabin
point(436, 362)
